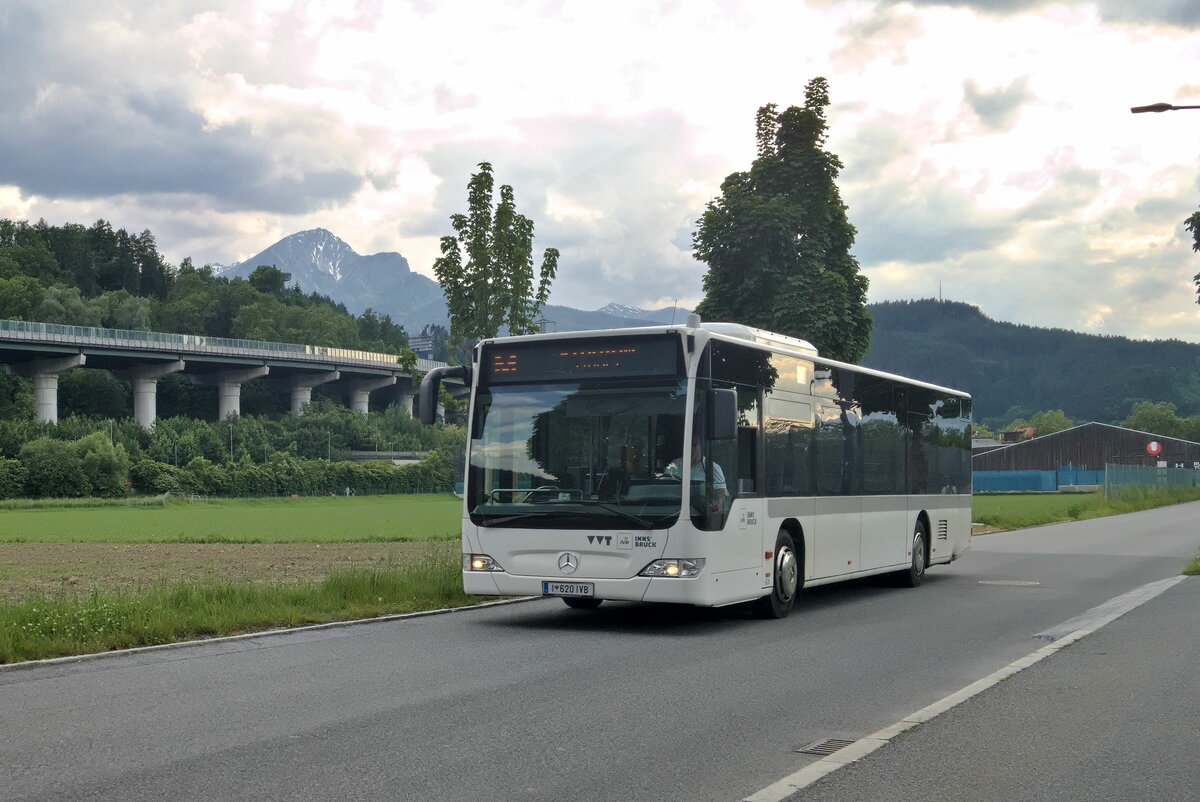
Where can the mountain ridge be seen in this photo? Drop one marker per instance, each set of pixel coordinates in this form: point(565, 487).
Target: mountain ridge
point(1012, 370)
point(320, 261)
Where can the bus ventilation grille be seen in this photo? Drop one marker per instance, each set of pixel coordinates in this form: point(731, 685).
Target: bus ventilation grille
point(943, 530)
point(824, 747)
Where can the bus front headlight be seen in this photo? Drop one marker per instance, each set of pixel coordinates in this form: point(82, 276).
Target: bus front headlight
point(674, 568)
point(480, 562)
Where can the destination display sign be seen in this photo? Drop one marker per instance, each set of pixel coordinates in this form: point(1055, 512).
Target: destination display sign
point(575, 359)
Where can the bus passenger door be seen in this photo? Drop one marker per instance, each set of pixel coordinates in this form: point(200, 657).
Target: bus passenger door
point(748, 507)
point(838, 525)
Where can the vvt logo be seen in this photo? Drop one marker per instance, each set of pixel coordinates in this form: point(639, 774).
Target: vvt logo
point(600, 540)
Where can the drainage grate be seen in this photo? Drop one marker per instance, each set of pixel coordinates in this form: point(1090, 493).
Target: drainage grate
point(826, 746)
point(1010, 582)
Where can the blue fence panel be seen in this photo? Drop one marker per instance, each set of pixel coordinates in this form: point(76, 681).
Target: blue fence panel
point(1014, 481)
point(1070, 475)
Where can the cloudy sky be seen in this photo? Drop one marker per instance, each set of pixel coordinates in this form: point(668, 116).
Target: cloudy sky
point(988, 145)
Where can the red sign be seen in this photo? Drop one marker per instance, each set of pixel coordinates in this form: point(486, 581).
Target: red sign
point(1154, 448)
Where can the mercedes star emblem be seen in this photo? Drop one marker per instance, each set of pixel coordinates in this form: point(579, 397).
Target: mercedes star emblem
point(567, 562)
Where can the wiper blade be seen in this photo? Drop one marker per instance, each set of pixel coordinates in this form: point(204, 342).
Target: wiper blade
point(642, 522)
point(510, 518)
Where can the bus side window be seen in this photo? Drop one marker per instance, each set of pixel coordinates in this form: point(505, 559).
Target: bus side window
point(747, 441)
point(747, 459)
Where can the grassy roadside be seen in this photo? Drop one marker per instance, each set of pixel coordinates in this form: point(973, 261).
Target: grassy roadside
point(1193, 568)
point(1018, 510)
point(70, 623)
point(64, 625)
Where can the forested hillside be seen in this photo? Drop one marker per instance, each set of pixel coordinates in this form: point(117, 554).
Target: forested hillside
point(96, 276)
point(100, 277)
point(1015, 370)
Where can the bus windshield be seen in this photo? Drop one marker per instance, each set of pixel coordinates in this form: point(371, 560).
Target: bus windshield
point(580, 455)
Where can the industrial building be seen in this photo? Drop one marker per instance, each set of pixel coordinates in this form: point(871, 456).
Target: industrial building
point(1089, 446)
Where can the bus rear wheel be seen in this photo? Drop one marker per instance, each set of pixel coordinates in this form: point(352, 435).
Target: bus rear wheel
point(785, 580)
point(582, 604)
point(920, 559)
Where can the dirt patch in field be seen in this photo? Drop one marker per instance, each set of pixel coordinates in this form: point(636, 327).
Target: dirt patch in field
point(29, 569)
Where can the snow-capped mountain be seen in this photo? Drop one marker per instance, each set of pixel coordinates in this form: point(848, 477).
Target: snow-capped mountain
point(318, 260)
point(668, 314)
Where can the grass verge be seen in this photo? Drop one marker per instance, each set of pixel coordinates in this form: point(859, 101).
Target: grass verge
point(1193, 568)
point(60, 625)
point(1018, 510)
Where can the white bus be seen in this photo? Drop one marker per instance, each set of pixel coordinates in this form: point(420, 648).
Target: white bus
point(800, 471)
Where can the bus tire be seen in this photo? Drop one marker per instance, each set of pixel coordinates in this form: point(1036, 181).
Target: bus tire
point(920, 558)
point(785, 580)
point(582, 604)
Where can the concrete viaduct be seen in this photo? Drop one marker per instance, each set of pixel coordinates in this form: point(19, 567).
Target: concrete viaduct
point(41, 351)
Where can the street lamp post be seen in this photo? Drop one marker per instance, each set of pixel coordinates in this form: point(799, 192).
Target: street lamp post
point(1158, 107)
point(231, 442)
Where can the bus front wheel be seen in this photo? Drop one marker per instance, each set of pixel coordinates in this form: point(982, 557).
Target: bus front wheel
point(785, 580)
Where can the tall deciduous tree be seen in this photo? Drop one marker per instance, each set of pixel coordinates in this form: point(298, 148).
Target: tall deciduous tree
point(494, 286)
point(777, 241)
point(1192, 224)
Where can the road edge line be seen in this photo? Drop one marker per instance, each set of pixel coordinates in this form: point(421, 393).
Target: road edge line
point(159, 647)
point(1090, 621)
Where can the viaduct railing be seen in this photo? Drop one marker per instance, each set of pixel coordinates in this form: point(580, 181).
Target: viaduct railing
point(55, 333)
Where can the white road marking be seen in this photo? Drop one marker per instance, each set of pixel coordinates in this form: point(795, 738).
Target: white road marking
point(1060, 636)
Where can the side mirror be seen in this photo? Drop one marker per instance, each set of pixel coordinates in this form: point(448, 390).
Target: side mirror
point(427, 395)
point(722, 414)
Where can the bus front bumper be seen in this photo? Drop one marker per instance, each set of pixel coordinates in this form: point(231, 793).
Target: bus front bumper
point(690, 590)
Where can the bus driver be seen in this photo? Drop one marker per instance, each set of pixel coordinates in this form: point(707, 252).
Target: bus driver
point(699, 469)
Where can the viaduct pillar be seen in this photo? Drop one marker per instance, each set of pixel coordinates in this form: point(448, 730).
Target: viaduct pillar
point(405, 394)
point(144, 378)
point(359, 391)
point(44, 373)
point(302, 387)
point(229, 387)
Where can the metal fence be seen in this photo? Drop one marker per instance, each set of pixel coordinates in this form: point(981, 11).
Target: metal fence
point(1121, 478)
point(1013, 481)
point(1114, 478)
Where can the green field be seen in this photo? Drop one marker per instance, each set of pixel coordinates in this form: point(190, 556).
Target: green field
point(79, 579)
point(1017, 510)
point(398, 519)
point(366, 519)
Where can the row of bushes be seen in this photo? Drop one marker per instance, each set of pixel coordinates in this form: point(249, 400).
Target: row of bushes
point(326, 431)
point(45, 467)
point(94, 466)
point(285, 473)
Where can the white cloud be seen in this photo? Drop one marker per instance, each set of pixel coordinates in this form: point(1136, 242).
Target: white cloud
point(987, 145)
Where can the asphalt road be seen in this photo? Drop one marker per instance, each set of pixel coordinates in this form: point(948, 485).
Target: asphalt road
point(1111, 717)
point(535, 701)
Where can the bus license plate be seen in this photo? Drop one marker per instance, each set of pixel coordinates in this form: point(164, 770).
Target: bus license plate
point(584, 589)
